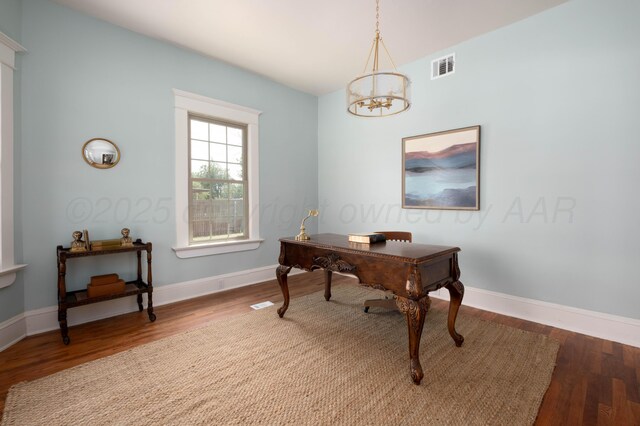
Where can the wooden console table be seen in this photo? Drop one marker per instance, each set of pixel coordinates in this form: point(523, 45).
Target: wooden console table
point(409, 270)
point(78, 298)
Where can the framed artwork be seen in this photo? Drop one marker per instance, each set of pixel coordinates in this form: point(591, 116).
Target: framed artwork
point(442, 170)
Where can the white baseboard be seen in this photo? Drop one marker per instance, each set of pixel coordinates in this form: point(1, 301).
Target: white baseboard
point(12, 331)
point(596, 324)
point(605, 326)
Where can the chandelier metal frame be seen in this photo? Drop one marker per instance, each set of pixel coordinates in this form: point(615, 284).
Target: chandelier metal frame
point(381, 99)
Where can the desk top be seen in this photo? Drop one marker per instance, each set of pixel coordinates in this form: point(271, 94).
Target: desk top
point(397, 249)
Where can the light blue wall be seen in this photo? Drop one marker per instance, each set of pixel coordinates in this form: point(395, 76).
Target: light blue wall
point(84, 78)
point(558, 99)
point(12, 297)
point(11, 18)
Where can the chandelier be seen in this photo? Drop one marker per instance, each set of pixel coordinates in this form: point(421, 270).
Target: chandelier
point(378, 93)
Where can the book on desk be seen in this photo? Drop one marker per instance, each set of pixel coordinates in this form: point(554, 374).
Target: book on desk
point(367, 238)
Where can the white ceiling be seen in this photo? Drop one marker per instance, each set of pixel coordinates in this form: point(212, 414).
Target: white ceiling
point(313, 46)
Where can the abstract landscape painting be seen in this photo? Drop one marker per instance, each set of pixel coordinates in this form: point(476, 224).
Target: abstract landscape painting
point(441, 170)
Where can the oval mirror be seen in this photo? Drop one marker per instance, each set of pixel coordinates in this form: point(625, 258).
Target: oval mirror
point(101, 153)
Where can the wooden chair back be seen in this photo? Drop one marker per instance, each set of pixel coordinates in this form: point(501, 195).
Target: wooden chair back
point(396, 235)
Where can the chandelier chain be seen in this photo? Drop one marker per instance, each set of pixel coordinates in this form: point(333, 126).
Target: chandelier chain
point(377, 16)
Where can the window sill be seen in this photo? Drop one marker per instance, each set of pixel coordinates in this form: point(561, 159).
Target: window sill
point(8, 275)
point(211, 249)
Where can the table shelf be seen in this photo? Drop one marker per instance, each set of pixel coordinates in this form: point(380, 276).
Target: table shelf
point(80, 297)
point(137, 287)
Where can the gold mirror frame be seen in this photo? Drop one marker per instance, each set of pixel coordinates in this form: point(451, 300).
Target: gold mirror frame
point(99, 158)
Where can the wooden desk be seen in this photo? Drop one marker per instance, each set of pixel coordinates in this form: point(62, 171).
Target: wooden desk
point(409, 270)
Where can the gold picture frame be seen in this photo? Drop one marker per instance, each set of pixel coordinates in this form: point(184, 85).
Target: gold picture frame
point(442, 170)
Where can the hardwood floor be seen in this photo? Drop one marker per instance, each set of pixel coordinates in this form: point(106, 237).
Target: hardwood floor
point(596, 382)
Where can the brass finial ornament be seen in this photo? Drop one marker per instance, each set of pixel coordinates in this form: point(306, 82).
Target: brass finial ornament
point(302, 236)
point(378, 93)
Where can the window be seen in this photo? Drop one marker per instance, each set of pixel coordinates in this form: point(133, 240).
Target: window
point(217, 188)
point(217, 180)
point(8, 268)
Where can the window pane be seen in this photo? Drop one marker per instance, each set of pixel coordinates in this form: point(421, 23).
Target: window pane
point(220, 227)
point(235, 154)
point(220, 191)
point(236, 191)
point(218, 152)
point(199, 150)
point(236, 208)
point(220, 208)
point(199, 130)
point(217, 133)
point(235, 136)
point(201, 190)
point(199, 168)
point(200, 210)
point(235, 171)
point(200, 230)
point(218, 171)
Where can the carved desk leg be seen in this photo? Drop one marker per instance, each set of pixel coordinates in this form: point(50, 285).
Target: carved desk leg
point(327, 284)
point(456, 292)
point(281, 275)
point(415, 311)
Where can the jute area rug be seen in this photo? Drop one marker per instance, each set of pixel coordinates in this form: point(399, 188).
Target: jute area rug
point(324, 363)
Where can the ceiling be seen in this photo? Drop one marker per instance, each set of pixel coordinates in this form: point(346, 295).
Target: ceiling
point(313, 46)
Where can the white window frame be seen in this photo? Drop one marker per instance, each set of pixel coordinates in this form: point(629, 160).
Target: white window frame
point(8, 267)
point(186, 103)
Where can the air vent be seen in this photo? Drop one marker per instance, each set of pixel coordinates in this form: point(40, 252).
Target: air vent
point(443, 66)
